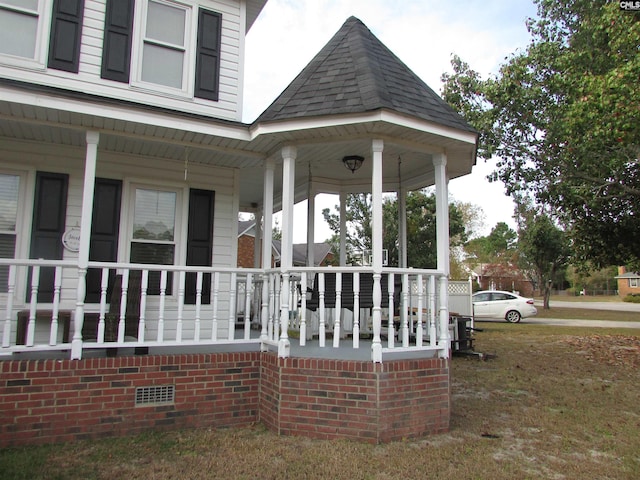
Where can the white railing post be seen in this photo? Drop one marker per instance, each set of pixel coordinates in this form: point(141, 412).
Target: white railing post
point(11, 283)
point(144, 285)
point(214, 305)
point(445, 338)
point(338, 310)
point(284, 346)
point(104, 285)
point(264, 332)
point(123, 305)
point(419, 328)
point(57, 282)
point(163, 296)
point(233, 299)
point(196, 333)
point(31, 325)
point(433, 333)
point(303, 309)
point(321, 310)
point(247, 306)
point(391, 327)
point(405, 306)
point(356, 310)
point(179, 325)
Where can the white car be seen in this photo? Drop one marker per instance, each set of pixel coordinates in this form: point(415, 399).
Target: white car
point(499, 304)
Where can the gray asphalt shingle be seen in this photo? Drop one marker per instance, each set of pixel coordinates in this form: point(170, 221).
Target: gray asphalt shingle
point(356, 73)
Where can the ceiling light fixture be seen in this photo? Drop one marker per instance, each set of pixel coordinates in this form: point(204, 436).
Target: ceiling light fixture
point(353, 162)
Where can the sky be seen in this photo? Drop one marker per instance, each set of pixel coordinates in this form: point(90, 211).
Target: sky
point(424, 34)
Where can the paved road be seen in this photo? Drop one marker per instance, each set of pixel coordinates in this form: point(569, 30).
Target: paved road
point(607, 306)
point(619, 306)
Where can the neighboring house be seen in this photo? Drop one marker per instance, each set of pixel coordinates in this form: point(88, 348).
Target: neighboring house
point(498, 276)
point(322, 254)
point(628, 282)
point(124, 165)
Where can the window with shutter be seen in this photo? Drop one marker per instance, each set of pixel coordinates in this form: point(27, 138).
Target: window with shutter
point(24, 29)
point(118, 33)
point(66, 32)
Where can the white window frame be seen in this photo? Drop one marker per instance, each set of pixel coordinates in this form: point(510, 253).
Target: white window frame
point(188, 71)
point(43, 13)
point(634, 282)
point(179, 236)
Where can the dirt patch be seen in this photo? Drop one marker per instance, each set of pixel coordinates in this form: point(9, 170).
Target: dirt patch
point(616, 350)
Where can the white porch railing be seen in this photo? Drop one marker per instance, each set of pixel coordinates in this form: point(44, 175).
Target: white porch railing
point(140, 305)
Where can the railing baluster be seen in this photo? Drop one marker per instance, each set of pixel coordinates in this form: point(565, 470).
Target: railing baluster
point(433, 332)
point(196, 333)
point(123, 305)
point(181, 277)
point(163, 296)
point(144, 284)
point(404, 303)
point(338, 311)
point(233, 301)
point(303, 309)
point(391, 328)
point(214, 319)
point(271, 306)
point(57, 283)
point(33, 305)
point(419, 328)
point(11, 283)
point(276, 307)
point(322, 327)
point(356, 310)
point(247, 307)
point(104, 284)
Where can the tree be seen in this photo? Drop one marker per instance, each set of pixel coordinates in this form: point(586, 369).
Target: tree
point(497, 247)
point(421, 227)
point(562, 119)
point(544, 249)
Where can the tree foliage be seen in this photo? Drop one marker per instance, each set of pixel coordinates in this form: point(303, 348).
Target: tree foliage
point(497, 247)
point(544, 250)
point(421, 227)
point(563, 121)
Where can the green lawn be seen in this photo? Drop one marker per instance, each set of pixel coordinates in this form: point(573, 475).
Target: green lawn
point(553, 403)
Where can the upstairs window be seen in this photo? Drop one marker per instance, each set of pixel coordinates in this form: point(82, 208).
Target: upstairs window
point(175, 48)
point(164, 45)
point(21, 30)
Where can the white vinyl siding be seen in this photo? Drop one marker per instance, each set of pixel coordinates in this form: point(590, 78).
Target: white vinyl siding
point(88, 77)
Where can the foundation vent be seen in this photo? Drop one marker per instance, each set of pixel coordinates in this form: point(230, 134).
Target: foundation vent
point(155, 395)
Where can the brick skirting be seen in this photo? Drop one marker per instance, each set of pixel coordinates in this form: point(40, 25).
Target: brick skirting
point(49, 401)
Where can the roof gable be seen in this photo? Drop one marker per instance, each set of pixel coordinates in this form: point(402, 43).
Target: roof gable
point(356, 73)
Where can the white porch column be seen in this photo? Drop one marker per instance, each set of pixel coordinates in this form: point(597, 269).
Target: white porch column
point(402, 227)
point(311, 213)
point(343, 228)
point(257, 239)
point(267, 239)
point(286, 254)
point(377, 147)
point(91, 156)
point(442, 240)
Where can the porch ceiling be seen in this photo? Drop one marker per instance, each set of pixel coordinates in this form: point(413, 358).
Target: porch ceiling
point(321, 144)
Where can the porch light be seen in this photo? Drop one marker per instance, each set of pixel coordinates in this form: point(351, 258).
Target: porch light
point(353, 162)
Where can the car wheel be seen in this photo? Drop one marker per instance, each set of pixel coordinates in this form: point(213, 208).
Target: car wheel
point(512, 316)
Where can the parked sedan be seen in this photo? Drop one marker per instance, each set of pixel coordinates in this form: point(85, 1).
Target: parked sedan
point(499, 304)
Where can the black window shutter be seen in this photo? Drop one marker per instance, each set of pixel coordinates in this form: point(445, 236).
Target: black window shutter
point(66, 33)
point(105, 225)
point(116, 48)
point(199, 242)
point(208, 55)
point(49, 213)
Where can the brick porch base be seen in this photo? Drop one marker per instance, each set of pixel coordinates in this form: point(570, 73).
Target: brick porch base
point(47, 401)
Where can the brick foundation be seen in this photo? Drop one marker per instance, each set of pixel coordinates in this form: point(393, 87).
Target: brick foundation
point(48, 401)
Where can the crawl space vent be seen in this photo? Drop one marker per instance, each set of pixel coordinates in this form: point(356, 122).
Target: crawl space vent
point(155, 395)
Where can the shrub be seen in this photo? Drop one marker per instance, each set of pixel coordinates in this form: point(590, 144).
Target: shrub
point(632, 298)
